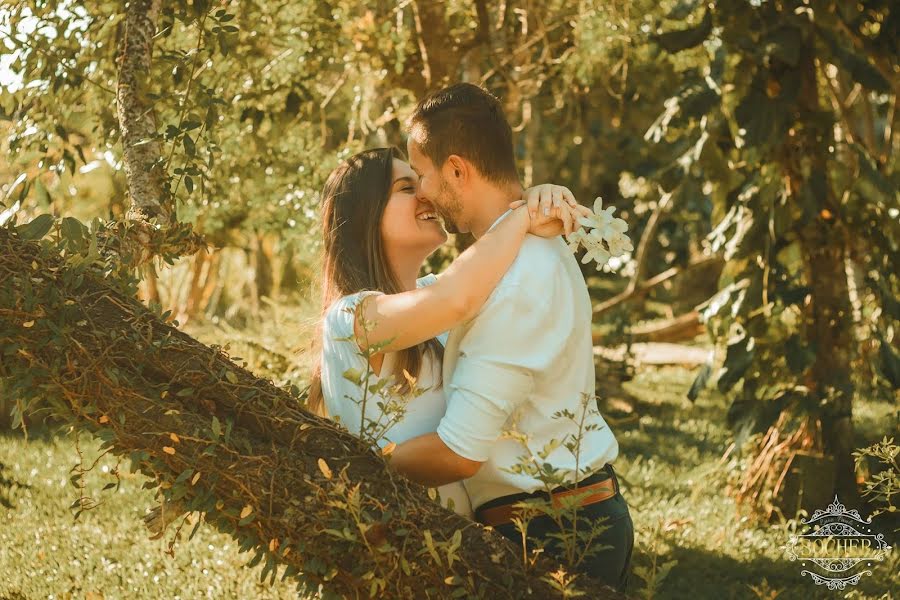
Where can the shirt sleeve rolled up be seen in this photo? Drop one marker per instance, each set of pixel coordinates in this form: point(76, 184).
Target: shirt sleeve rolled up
point(482, 397)
point(509, 341)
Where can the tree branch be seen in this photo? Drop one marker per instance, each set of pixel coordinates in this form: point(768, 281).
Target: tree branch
point(644, 287)
point(640, 257)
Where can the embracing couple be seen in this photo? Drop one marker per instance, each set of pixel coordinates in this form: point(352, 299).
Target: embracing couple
point(500, 341)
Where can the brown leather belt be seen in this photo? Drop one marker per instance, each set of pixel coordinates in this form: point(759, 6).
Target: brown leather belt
point(503, 514)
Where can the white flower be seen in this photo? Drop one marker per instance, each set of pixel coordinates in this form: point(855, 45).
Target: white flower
point(603, 221)
point(575, 238)
point(619, 244)
point(613, 229)
point(595, 252)
point(598, 207)
point(619, 225)
point(601, 227)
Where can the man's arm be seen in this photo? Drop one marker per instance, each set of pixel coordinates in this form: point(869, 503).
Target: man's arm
point(405, 319)
point(516, 335)
point(428, 460)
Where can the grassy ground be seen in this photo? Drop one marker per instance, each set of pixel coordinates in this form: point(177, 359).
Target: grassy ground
point(669, 465)
point(674, 480)
point(106, 553)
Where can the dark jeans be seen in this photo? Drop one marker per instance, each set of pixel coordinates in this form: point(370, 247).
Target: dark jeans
point(611, 565)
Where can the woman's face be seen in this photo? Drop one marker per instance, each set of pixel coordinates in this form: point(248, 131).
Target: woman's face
point(409, 225)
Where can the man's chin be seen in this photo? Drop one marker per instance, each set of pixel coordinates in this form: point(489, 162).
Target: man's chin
point(449, 224)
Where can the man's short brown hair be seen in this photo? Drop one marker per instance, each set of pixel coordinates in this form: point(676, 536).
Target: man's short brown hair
point(468, 121)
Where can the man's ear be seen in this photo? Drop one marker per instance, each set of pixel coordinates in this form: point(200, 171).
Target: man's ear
point(458, 169)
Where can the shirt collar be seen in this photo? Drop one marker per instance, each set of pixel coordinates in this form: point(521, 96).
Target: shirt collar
point(500, 218)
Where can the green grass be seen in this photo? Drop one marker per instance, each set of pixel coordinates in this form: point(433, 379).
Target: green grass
point(673, 479)
point(107, 552)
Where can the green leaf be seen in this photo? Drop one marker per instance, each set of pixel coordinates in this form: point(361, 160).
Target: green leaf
point(738, 358)
point(859, 67)
point(42, 196)
point(761, 116)
point(682, 10)
point(353, 375)
point(429, 544)
point(784, 44)
point(224, 47)
point(682, 39)
point(698, 101)
point(216, 427)
point(189, 147)
point(194, 530)
point(256, 559)
point(36, 228)
point(73, 230)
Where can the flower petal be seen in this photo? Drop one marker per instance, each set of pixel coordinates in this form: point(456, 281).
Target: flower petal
point(619, 225)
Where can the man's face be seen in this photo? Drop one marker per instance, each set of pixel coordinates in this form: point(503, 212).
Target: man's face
point(433, 187)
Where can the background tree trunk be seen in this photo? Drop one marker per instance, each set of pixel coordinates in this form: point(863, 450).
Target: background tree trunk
point(141, 156)
point(829, 327)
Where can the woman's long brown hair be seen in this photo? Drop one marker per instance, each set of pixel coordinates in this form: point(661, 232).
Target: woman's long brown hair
point(353, 202)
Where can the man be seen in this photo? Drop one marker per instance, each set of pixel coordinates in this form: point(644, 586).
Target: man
point(526, 356)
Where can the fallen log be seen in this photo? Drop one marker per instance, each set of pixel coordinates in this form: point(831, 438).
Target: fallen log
point(293, 487)
point(681, 328)
point(655, 353)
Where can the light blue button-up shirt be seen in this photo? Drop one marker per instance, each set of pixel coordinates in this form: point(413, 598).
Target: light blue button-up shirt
point(527, 355)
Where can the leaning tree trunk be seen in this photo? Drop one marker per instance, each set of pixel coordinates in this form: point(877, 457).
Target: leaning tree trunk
point(293, 486)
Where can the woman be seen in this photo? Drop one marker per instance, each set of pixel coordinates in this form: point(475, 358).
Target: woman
point(377, 235)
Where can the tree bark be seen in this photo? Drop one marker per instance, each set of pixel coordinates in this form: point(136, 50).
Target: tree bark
point(293, 486)
point(829, 324)
point(680, 328)
point(144, 169)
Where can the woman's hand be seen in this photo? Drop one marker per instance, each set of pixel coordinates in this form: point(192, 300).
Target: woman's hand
point(552, 208)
